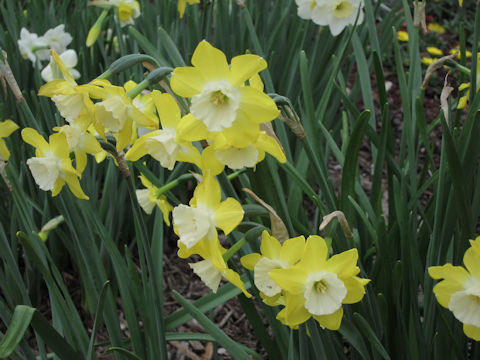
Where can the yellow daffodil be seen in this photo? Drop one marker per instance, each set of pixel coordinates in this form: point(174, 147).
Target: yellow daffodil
point(462, 102)
point(459, 290)
point(183, 3)
point(144, 103)
point(7, 127)
point(434, 51)
point(116, 112)
point(317, 286)
point(72, 100)
point(125, 10)
point(273, 256)
point(213, 268)
point(80, 141)
point(220, 99)
point(51, 167)
point(436, 28)
point(402, 35)
point(460, 2)
point(196, 224)
point(164, 145)
point(428, 60)
point(148, 199)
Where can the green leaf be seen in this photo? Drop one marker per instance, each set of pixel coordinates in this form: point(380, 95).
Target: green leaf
point(98, 319)
point(367, 331)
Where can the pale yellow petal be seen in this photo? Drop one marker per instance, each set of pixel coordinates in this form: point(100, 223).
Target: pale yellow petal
point(228, 215)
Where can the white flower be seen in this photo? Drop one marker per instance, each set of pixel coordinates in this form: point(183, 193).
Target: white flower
point(193, 224)
point(337, 14)
point(324, 293)
point(208, 273)
point(28, 43)
point(51, 71)
point(45, 170)
point(163, 147)
point(58, 39)
point(127, 10)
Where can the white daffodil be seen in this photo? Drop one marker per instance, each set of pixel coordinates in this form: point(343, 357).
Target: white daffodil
point(58, 39)
point(52, 72)
point(32, 47)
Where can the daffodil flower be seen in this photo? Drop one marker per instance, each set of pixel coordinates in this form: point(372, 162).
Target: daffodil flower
point(462, 102)
point(273, 256)
point(72, 100)
point(459, 290)
point(436, 28)
point(51, 167)
point(57, 38)
point(317, 286)
point(196, 224)
point(336, 14)
point(80, 141)
point(181, 5)
point(220, 99)
point(402, 35)
point(434, 51)
point(52, 72)
point(148, 199)
point(7, 127)
point(164, 145)
point(125, 10)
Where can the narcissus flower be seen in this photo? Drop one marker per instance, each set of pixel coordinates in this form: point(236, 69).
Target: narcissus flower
point(220, 99)
point(337, 14)
point(436, 28)
point(205, 214)
point(7, 127)
point(318, 286)
point(428, 60)
point(402, 35)
point(273, 256)
point(164, 145)
point(125, 10)
point(459, 290)
point(183, 3)
point(32, 47)
point(51, 167)
point(52, 72)
point(148, 199)
point(72, 100)
point(434, 51)
point(462, 102)
point(57, 38)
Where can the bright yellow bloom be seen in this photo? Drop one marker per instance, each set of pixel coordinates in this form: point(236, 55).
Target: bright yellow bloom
point(183, 3)
point(148, 198)
point(125, 10)
point(72, 100)
point(51, 167)
point(434, 51)
point(220, 99)
point(402, 35)
point(462, 102)
point(436, 27)
point(459, 291)
point(116, 112)
point(273, 256)
point(197, 223)
point(80, 141)
point(428, 60)
point(165, 145)
point(318, 286)
point(7, 127)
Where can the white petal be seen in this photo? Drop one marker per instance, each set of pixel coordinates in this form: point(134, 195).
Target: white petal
point(262, 281)
point(237, 158)
point(193, 224)
point(324, 293)
point(45, 171)
point(143, 197)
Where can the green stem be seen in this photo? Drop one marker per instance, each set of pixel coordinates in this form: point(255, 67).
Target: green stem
point(138, 89)
point(237, 246)
point(456, 65)
point(173, 184)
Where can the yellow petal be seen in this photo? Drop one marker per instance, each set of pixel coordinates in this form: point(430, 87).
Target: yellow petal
point(74, 185)
point(4, 153)
point(59, 145)
point(332, 321)
point(187, 81)
point(63, 68)
point(32, 137)
point(295, 312)
point(258, 106)
point(271, 146)
point(228, 215)
point(7, 127)
point(81, 161)
point(243, 67)
point(256, 82)
point(343, 264)
point(445, 289)
point(471, 259)
point(450, 272)
point(207, 192)
point(211, 62)
point(57, 187)
point(355, 289)
point(270, 246)
point(210, 162)
point(315, 254)
point(292, 250)
point(138, 148)
point(191, 129)
point(167, 109)
point(472, 332)
point(249, 261)
point(291, 280)
point(234, 278)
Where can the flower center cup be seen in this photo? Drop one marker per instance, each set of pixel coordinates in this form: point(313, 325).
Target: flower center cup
point(324, 293)
point(343, 9)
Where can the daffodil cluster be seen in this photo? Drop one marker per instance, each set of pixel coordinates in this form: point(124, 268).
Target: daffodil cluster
point(336, 14)
point(37, 48)
point(459, 289)
point(301, 276)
